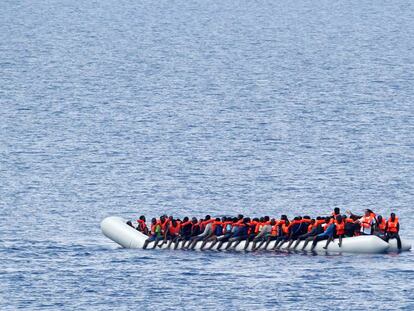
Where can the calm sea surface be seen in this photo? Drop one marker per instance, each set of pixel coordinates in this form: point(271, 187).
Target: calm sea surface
point(194, 107)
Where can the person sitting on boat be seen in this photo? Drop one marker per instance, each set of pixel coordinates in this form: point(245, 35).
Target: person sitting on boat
point(351, 226)
point(142, 226)
point(254, 227)
point(217, 231)
point(339, 232)
point(320, 226)
point(207, 224)
point(274, 234)
point(381, 225)
point(313, 229)
point(185, 231)
point(392, 229)
point(283, 233)
point(228, 231)
point(367, 222)
point(156, 235)
point(302, 228)
point(265, 232)
point(195, 231)
point(240, 234)
point(329, 230)
point(173, 232)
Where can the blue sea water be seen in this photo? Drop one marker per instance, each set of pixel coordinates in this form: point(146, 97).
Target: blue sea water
point(193, 107)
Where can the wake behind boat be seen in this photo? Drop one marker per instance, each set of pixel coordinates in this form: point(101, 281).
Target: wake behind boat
point(117, 230)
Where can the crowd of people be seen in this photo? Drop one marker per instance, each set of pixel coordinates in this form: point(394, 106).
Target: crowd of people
point(261, 231)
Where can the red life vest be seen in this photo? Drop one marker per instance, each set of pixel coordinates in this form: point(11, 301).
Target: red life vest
point(367, 221)
point(275, 230)
point(142, 226)
point(285, 228)
point(382, 225)
point(174, 230)
point(340, 228)
point(392, 225)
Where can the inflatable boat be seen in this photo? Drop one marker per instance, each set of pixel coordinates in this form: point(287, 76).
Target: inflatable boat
point(116, 229)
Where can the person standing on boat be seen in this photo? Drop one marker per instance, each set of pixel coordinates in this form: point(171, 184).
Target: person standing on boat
point(392, 229)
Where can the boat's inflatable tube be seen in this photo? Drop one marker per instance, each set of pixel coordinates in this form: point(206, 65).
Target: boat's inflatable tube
point(116, 229)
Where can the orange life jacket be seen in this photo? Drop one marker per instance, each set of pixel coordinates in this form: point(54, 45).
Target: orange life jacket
point(174, 230)
point(257, 226)
point(367, 221)
point(275, 230)
point(285, 228)
point(340, 227)
point(392, 225)
point(382, 225)
point(141, 225)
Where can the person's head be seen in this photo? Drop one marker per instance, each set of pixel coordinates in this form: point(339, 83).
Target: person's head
point(162, 218)
point(246, 220)
point(273, 222)
point(337, 211)
point(379, 218)
point(367, 212)
point(240, 216)
point(313, 221)
point(327, 219)
point(170, 218)
point(129, 223)
point(217, 219)
point(223, 219)
point(208, 217)
point(339, 219)
point(318, 218)
point(266, 218)
point(185, 219)
point(174, 223)
point(257, 219)
point(142, 217)
point(392, 216)
point(235, 219)
point(306, 217)
point(284, 217)
point(194, 220)
point(154, 221)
